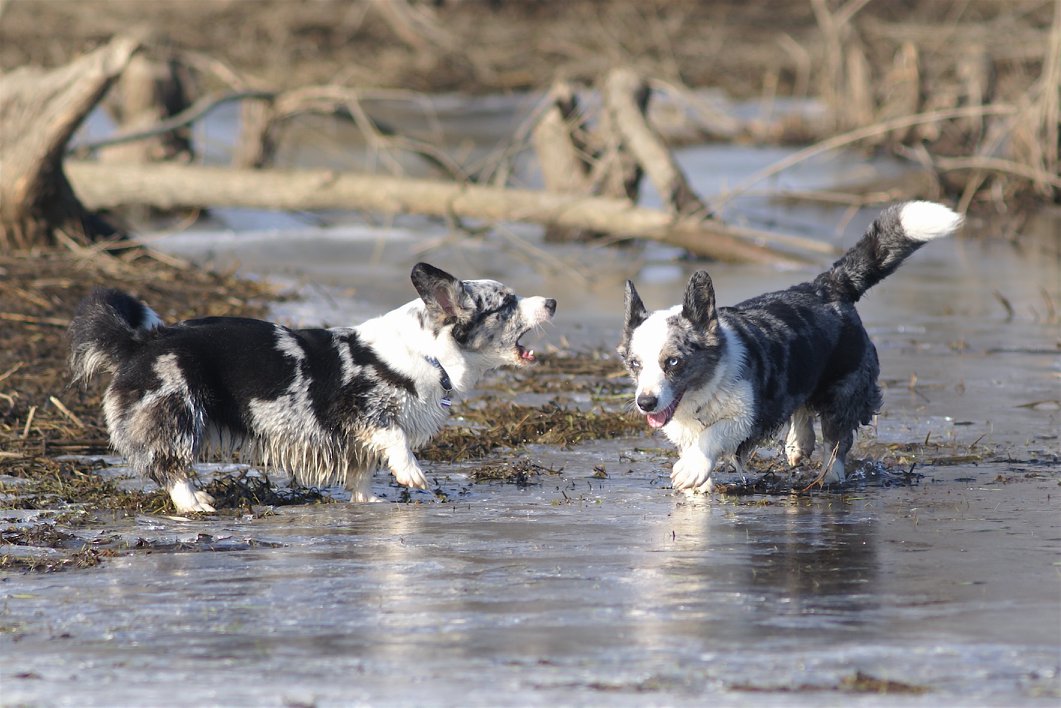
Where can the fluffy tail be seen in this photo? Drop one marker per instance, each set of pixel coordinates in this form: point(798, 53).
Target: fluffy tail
point(896, 234)
point(107, 328)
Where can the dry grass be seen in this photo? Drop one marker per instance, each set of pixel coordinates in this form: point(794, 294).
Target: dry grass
point(968, 88)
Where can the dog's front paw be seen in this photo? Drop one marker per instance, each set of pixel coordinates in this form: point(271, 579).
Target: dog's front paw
point(188, 499)
point(691, 471)
point(412, 477)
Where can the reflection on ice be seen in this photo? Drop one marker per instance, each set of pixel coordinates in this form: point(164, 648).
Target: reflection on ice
point(619, 588)
point(580, 590)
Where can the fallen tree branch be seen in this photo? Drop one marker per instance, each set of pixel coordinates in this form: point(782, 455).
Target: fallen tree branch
point(284, 105)
point(992, 164)
point(186, 117)
point(169, 186)
point(854, 136)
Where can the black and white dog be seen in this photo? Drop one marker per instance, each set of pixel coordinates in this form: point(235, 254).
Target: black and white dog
point(720, 381)
point(326, 405)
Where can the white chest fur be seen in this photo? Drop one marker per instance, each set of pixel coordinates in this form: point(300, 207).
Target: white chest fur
point(718, 416)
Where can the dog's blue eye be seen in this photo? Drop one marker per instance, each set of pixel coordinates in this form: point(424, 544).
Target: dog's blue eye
point(635, 364)
point(673, 362)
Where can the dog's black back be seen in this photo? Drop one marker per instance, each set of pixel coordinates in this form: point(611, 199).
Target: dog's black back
point(229, 362)
point(721, 380)
point(804, 349)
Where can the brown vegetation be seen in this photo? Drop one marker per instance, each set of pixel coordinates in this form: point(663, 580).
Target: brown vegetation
point(969, 90)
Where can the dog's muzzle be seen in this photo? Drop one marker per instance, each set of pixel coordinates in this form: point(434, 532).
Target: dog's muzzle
point(647, 403)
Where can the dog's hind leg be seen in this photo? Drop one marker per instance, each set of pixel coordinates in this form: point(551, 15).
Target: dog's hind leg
point(188, 499)
point(799, 441)
point(850, 404)
point(161, 433)
point(838, 436)
point(172, 474)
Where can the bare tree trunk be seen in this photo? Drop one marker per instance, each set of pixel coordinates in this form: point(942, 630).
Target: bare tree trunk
point(39, 112)
point(149, 92)
point(168, 186)
point(625, 98)
point(562, 155)
point(611, 160)
point(256, 145)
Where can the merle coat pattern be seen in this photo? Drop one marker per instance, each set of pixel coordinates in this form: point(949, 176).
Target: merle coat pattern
point(721, 381)
point(326, 405)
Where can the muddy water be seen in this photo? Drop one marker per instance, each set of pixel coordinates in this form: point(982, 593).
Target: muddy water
point(581, 590)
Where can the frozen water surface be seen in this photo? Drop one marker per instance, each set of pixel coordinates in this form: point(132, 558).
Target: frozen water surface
point(577, 590)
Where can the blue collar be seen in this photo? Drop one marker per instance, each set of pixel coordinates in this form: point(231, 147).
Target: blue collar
point(447, 385)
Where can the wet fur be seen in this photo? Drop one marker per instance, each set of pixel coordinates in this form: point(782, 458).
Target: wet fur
point(326, 405)
point(721, 381)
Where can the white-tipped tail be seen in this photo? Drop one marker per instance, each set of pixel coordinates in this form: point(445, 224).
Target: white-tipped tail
point(924, 221)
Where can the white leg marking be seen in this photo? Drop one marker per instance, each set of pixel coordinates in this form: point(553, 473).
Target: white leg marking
point(188, 499)
point(697, 461)
point(799, 442)
point(707, 487)
point(836, 474)
point(361, 488)
point(692, 470)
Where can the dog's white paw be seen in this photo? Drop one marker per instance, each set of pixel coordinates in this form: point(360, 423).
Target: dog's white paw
point(188, 499)
point(799, 440)
point(691, 471)
point(706, 488)
point(364, 498)
point(412, 477)
point(794, 455)
point(836, 473)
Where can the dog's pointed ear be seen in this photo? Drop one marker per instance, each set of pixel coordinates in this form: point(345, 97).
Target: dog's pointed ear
point(440, 291)
point(635, 309)
point(699, 304)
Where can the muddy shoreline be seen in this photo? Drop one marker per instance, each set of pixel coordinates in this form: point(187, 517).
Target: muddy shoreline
point(54, 466)
point(549, 561)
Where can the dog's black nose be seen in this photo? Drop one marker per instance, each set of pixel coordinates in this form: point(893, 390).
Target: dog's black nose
point(647, 403)
point(550, 305)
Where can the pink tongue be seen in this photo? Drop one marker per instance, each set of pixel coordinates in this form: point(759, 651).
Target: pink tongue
point(657, 420)
point(526, 354)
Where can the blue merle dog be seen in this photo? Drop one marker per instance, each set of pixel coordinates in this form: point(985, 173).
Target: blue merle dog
point(721, 381)
point(326, 405)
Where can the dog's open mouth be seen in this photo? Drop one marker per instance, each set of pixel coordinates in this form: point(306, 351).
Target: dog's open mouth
point(525, 356)
point(661, 418)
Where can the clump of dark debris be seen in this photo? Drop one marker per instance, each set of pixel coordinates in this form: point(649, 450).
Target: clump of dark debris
point(500, 424)
point(246, 490)
point(858, 682)
point(521, 472)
